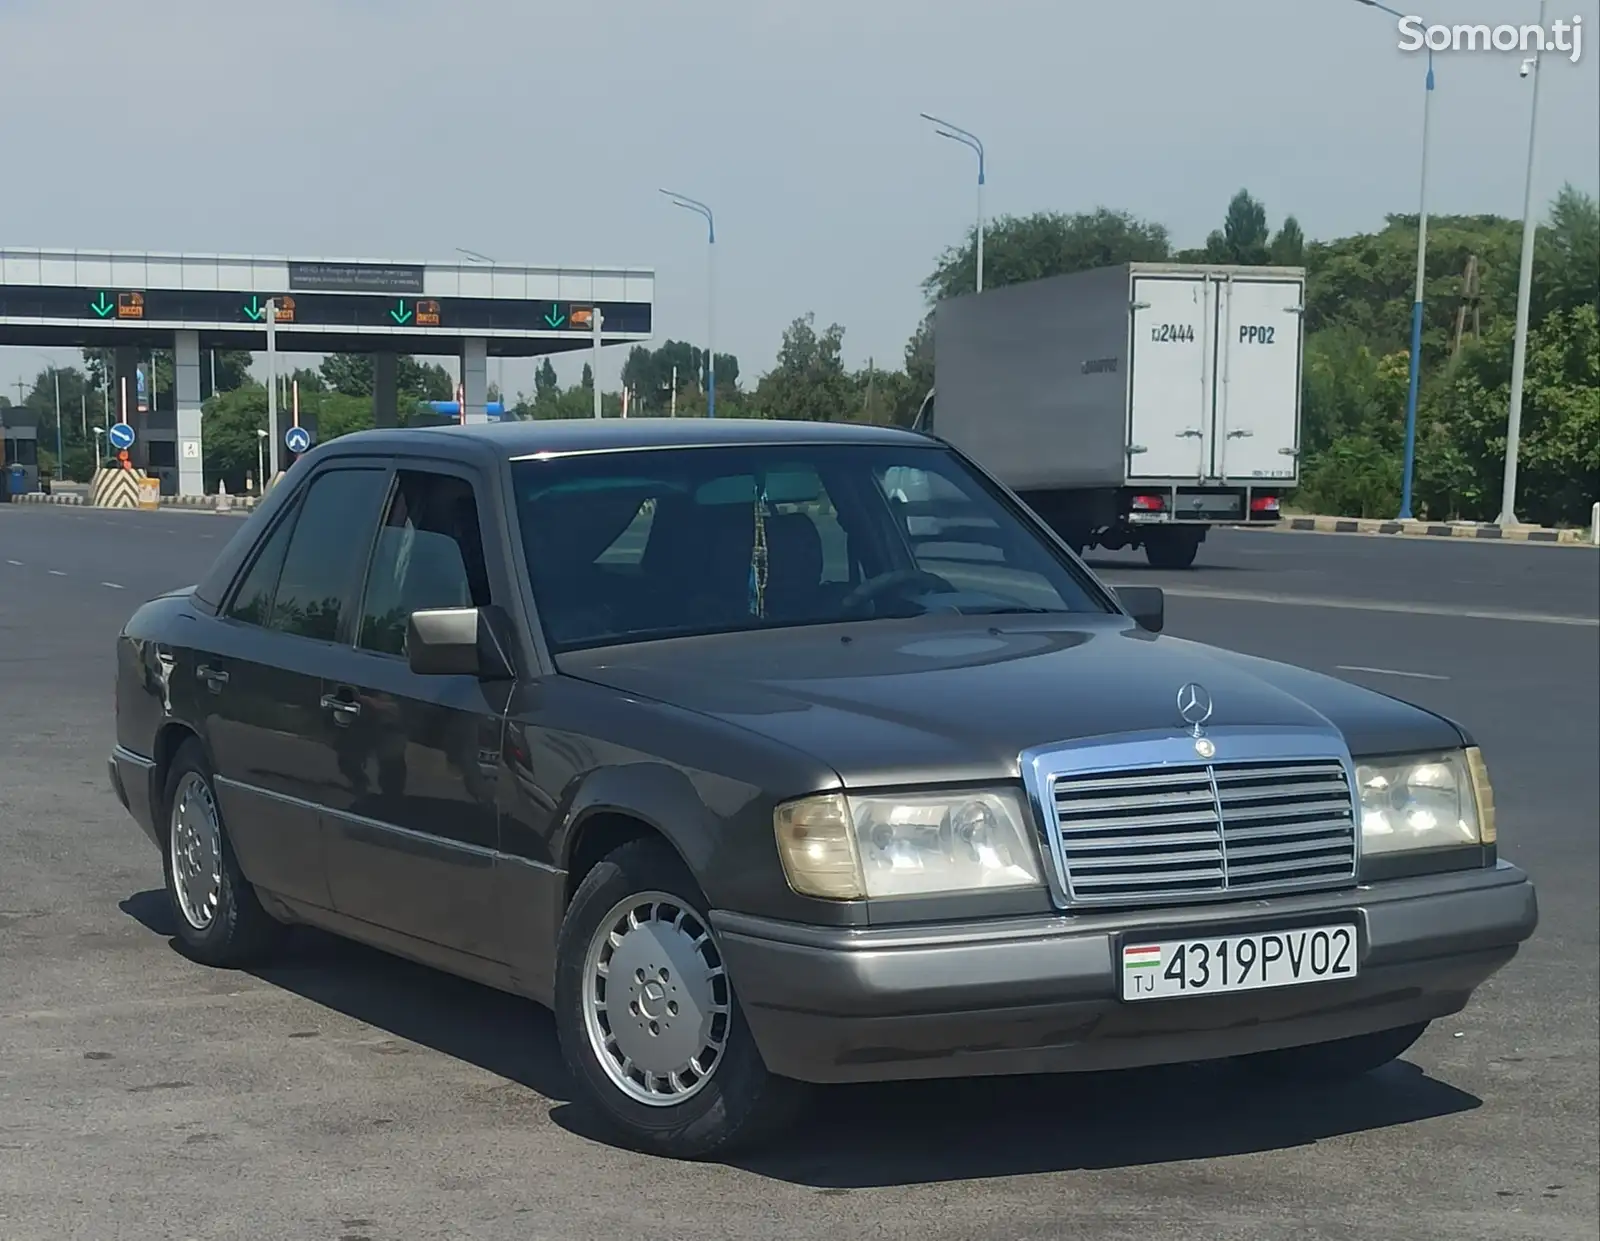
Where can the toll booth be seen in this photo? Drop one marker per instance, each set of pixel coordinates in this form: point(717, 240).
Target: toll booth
point(161, 446)
point(19, 449)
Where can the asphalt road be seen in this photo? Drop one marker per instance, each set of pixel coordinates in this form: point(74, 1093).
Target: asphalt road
point(345, 1095)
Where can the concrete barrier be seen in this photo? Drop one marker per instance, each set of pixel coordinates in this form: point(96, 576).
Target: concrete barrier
point(115, 488)
point(1428, 529)
point(38, 497)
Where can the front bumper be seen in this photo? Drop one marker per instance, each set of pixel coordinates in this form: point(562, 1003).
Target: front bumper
point(1040, 994)
point(131, 776)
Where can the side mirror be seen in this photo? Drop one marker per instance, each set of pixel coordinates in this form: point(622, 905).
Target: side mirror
point(467, 642)
point(1146, 604)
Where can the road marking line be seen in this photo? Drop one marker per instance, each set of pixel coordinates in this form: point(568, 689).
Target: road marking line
point(1391, 672)
point(1370, 605)
point(57, 573)
point(112, 585)
point(18, 563)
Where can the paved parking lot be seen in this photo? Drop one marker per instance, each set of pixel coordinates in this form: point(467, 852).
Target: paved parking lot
point(345, 1095)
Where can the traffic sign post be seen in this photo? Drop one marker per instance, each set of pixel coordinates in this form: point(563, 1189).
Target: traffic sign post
point(297, 440)
point(121, 436)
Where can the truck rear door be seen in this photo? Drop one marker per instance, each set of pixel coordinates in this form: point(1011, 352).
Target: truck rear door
point(1169, 366)
point(1257, 432)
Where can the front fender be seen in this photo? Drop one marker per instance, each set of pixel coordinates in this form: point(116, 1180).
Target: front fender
point(660, 796)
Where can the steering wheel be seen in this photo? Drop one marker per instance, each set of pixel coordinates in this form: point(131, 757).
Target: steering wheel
point(895, 579)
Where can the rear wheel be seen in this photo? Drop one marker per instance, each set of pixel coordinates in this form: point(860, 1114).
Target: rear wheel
point(1171, 549)
point(219, 919)
point(1339, 1060)
point(647, 1018)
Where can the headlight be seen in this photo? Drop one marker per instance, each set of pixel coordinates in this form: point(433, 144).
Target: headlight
point(910, 844)
point(1429, 801)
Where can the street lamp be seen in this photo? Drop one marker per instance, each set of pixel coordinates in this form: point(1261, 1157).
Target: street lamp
point(968, 139)
point(1519, 348)
point(1422, 270)
point(699, 208)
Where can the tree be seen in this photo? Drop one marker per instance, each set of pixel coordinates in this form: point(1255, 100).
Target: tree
point(1244, 236)
point(352, 374)
point(1461, 459)
point(81, 404)
point(809, 382)
point(232, 369)
point(1567, 267)
point(544, 381)
point(586, 381)
point(1288, 247)
point(1047, 243)
point(649, 374)
point(1366, 281)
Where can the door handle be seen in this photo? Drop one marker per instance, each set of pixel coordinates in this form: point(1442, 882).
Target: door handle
point(344, 709)
point(1240, 435)
point(1193, 433)
point(215, 678)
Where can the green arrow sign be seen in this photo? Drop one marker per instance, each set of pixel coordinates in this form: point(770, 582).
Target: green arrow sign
point(554, 317)
point(103, 306)
point(401, 312)
point(255, 310)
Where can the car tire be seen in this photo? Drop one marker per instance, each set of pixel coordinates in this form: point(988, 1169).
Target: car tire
point(219, 919)
point(1171, 549)
point(640, 916)
point(1339, 1060)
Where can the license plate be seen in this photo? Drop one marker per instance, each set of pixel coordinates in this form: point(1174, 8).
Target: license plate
point(1206, 966)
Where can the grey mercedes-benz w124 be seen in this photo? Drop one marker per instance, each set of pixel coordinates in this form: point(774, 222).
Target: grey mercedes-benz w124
point(768, 753)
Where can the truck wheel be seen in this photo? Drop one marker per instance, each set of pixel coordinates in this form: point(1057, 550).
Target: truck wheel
point(647, 1018)
point(220, 921)
point(1171, 549)
point(1339, 1060)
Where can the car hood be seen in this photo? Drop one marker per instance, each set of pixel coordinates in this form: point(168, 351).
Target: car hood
point(886, 701)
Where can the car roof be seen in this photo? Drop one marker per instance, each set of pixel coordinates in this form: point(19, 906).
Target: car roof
point(572, 435)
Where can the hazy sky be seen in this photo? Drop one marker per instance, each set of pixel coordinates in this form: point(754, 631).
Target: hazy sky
point(539, 131)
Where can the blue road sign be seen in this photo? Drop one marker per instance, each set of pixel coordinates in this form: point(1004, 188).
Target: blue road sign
point(121, 437)
point(297, 439)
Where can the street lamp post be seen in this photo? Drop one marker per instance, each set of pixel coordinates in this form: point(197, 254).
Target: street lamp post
point(272, 388)
point(1519, 348)
point(55, 374)
point(967, 139)
point(699, 208)
point(1415, 378)
point(261, 468)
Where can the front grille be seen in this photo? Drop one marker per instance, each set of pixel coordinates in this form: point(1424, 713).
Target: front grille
point(1191, 832)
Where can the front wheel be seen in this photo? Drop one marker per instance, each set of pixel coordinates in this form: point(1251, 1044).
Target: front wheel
point(647, 1018)
point(1339, 1060)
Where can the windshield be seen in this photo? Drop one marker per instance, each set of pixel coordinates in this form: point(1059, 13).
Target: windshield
point(633, 546)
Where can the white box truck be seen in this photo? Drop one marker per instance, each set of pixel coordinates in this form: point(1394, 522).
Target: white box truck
point(1129, 406)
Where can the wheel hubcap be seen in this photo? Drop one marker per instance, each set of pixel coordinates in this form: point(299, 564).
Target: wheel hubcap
point(196, 846)
point(656, 1000)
